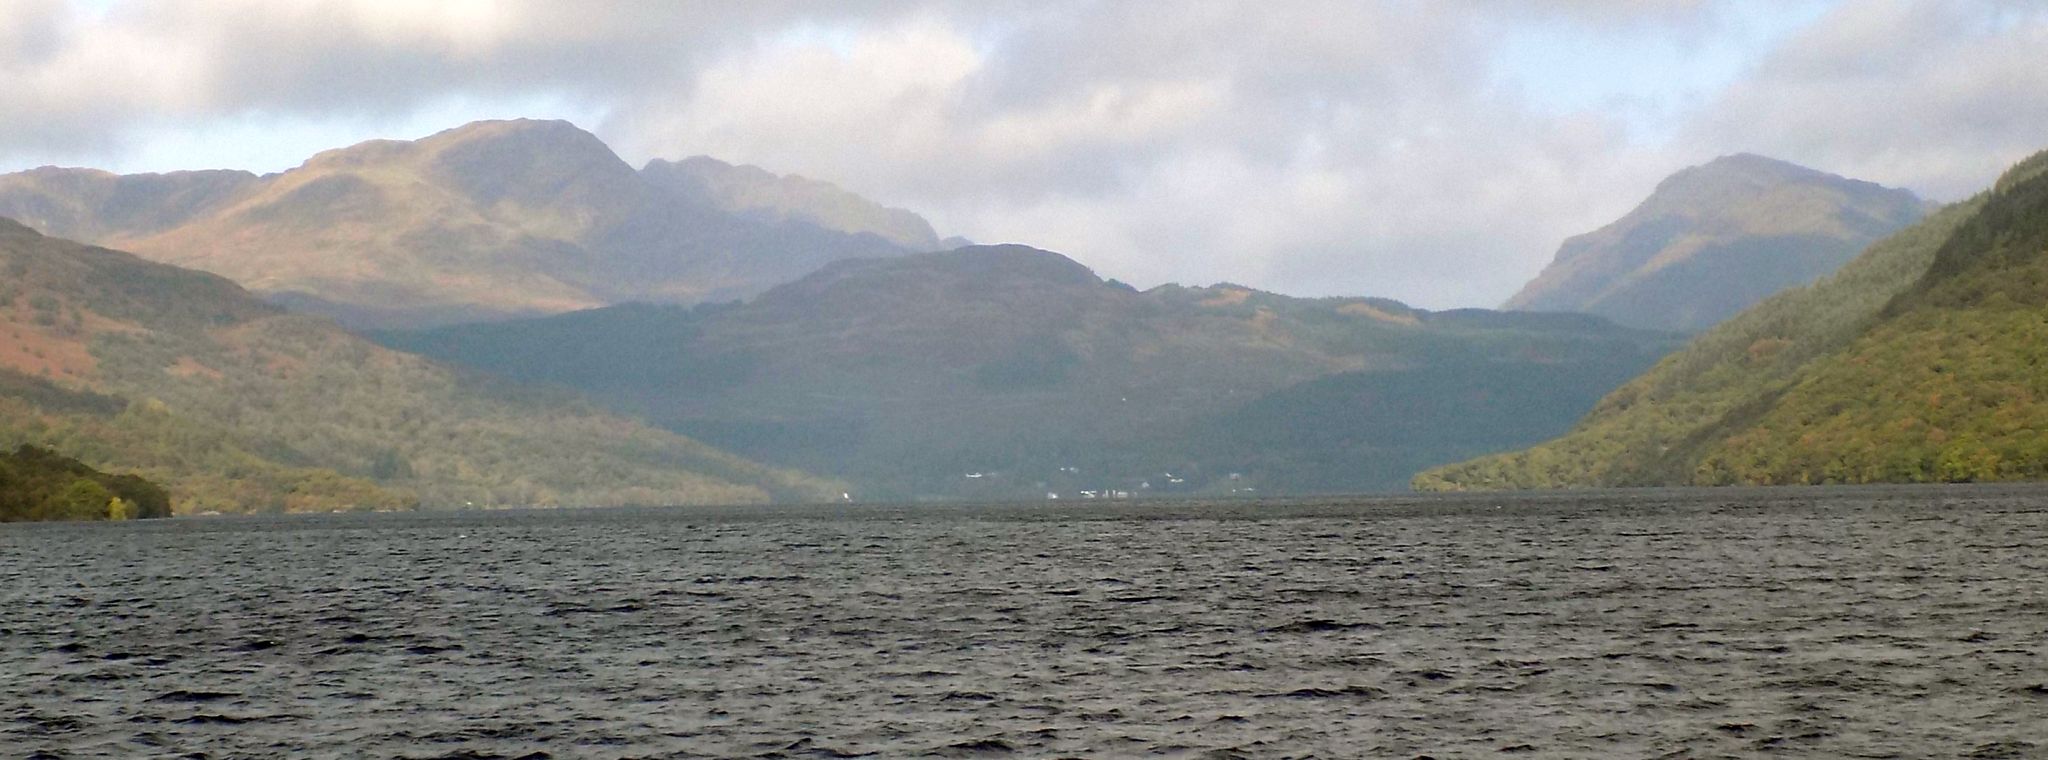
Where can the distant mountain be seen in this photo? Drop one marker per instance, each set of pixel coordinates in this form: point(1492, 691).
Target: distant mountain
point(488, 220)
point(1925, 359)
point(1715, 239)
point(235, 405)
point(1013, 372)
point(753, 192)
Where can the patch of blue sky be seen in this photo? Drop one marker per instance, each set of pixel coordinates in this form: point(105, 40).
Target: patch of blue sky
point(97, 9)
point(264, 141)
point(1649, 73)
point(839, 39)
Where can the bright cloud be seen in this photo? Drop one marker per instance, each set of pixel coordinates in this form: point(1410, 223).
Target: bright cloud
point(1435, 152)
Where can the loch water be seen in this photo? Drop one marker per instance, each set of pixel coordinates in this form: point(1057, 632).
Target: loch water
point(1862, 622)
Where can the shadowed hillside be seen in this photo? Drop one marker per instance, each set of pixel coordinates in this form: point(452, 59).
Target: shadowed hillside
point(1005, 371)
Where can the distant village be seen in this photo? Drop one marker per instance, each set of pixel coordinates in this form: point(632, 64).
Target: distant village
point(1163, 484)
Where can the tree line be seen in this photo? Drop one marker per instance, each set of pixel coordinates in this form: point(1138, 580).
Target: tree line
point(39, 484)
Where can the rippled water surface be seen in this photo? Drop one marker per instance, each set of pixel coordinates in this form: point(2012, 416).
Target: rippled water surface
point(1860, 623)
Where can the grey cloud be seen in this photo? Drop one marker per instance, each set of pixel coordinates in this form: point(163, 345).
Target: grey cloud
point(90, 80)
point(1313, 147)
point(1935, 95)
point(1319, 148)
point(30, 31)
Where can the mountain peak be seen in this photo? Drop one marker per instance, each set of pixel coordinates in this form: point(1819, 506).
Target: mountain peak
point(531, 131)
point(1731, 178)
point(983, 274)
point(1010, 259)
point(982, 265)
point(501, 140)
point(52, 170)
point(489, 157)
point(1753, 162)
point(1900, 367)
point(490, 218)
point(1715, 238)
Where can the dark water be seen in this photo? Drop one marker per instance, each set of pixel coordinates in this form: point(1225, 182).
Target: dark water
point(1865, 623)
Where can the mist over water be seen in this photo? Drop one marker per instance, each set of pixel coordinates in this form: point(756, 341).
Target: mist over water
point(1902, 622)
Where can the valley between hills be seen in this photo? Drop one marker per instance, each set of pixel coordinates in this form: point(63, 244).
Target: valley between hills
point(507, 314)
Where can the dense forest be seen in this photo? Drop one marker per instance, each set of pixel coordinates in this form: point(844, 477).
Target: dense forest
point(1922, 360)
point(1951, 385)
point(38, 484)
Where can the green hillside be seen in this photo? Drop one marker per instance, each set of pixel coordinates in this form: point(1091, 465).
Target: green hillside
point(1919, 361)
point(37, 484)
point(1004, 371)
point(235, 405)
point(1372, 431)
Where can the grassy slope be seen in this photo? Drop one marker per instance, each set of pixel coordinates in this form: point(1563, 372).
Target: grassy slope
point(1801, 387)
point(235, 405)
point(1951, 386)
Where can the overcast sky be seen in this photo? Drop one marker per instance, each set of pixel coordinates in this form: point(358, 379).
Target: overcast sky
point(1434, 151)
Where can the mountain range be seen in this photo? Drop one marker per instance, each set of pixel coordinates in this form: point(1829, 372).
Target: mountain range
point(1924, 359)
point(1007, 371)
point(484, 221)
point(234, 404)
point(557, 327)
point(1715, 239)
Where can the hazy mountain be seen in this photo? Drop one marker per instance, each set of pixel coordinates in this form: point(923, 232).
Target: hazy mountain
point(1002, 370)
point(234, 404)
point(1925, 359)
point(487, 220)
point(89, 204)
point(1715, 239)
point(750, 191)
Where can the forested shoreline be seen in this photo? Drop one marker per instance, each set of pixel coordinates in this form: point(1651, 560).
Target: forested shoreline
point(37, 484)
